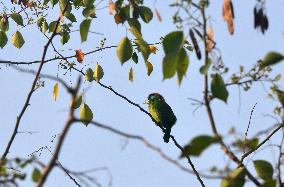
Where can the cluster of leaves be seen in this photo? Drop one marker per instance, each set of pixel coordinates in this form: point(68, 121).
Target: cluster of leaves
point(11, 171)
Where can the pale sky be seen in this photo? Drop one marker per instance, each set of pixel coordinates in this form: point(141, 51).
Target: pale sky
point(136, 165)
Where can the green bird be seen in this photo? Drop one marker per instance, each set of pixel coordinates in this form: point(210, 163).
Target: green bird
point(162, 113)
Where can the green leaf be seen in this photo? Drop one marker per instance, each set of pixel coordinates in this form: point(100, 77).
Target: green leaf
point(135, 57)
point(53, 2)
point(70, 16)
point(18, 40)
point(4, 24)
point(218, 88)
point(89, 75)
point(235, 179)
point(135, 32)
point(76, 104)
point(124, 50)
point(88, 3)
point(143, 47)
point(89, 12)
point(98, 73)
point(263, 169)
point(269, 183)
point(173, 42)
point(86, 114)
point(52, 26)
point(3, 39)
point(145, 13)
point(204, 69)
point(65, 36)
point(36, 175)
point(17, 18)
point(271, 58)
point(198, 145)
point(39, 21)
point(84, 29)
point(182, 65)
point(170, 65)
point(134, 23)
point(44, 26)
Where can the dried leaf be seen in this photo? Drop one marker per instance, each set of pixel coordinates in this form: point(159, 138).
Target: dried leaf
point(55, 92)
point(195, 44)
point(111, 8)
point(210, 41)
point(153, 49)
point(228, 15)
point(158, 15)
point(79, 55)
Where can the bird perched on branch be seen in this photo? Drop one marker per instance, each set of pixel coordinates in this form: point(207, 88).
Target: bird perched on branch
point(162, 113)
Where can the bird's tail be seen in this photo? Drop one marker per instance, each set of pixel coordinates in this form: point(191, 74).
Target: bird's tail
point(167, 135)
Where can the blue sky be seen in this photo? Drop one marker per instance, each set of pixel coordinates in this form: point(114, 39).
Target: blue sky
point(136, 165)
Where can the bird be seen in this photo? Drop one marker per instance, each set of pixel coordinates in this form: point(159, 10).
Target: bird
point(162, 113)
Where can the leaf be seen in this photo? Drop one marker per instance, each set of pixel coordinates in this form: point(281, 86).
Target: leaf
point(236, 178)
point(195, 44)
point(89, 12)
point(173, 42)
point(39, 21)
point(79, 55)
point(204, 69)
point(44, 26)
point(182, 65)
point(64, 37)
point(228, 15)
point(4, 24)
point(86, 114)
point(36, 175)
point(134, 23)
point(170, 65)
point(17, 18)
point(18, 40)
point(124, 50)
point(70, 16)
point(149, 68)
point(89, 75)
point(135, 32)
point(52, 26)
point(158, 15)
point(55, 92)
point(130, 75)
point(53, 2)
point(88, 3)
point(269, 183)
point(263, 169)
point(210, 43)
point(111, 8)
point(145, 13)
point(98, 73)
point(76, 104)
point(3, 39)
point(135, 57)
point(153, 49)
point(218, 88)
point(144, 48)
point(84, 29)
point(197, 145)
point(270, 59)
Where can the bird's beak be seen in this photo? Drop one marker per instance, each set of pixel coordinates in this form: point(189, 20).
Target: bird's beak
point(146, 101)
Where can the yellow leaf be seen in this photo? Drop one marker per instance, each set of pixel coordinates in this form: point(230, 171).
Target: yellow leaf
point(153, 49)
point(79, 55)
point(130, 76)
point(98, 73)
point(158, 15)
point(149, 68)
point(55, 92)
point(111, 8)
